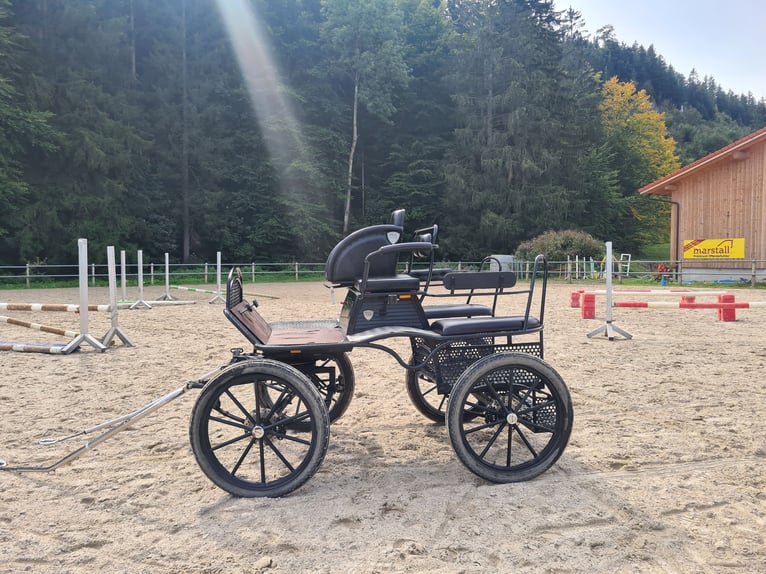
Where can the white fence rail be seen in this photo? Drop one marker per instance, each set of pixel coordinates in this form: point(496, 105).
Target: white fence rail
point(577, 269)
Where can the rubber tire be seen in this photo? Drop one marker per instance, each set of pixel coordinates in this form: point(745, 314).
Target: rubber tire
point(465, 395)
point(245, 381)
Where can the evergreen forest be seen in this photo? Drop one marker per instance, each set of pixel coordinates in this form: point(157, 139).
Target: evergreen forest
point(269, 129)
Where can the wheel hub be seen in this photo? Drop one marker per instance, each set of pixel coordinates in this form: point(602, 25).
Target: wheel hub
point(258, 432)
point(512, 418)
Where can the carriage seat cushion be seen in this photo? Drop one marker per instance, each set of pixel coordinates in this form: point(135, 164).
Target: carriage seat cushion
point(449, 327)
point(456, 310)
point(399, 282)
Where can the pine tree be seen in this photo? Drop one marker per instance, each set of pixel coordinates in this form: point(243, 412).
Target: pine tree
point(364, 37)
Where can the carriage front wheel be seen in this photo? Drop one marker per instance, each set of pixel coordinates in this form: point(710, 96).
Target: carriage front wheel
point(259, 429)
point(509, 417)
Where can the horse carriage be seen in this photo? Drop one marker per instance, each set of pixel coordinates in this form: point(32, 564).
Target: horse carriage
point(261, 424)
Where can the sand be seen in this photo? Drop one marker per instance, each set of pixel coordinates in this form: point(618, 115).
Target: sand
point(665, 470)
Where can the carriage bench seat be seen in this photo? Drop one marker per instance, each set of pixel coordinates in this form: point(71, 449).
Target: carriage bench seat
point(400, 282)
point(517, 324)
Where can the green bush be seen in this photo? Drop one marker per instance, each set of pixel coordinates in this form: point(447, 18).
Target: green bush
point(557, 245)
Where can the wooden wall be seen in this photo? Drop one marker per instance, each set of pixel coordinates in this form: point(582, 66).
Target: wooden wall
point(726, 199)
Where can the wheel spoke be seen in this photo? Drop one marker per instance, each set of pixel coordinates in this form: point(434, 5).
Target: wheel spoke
point(242, 458)
point(284, 399)
point(500, 401)
point(217, 408)
point(430, 390)
point(480, 427)
point(492, 440)
point(230, 441)
point(261, 453)
point(524, 439)
point(277, 452)
point(536, 427)
point(535, 407)
point(234, 400)
point(477, 407)
point(292, 438)
point(231, 423)
point(523, 399)
point(287, 421)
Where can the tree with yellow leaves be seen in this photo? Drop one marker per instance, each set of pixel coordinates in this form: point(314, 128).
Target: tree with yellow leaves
point(641, 152)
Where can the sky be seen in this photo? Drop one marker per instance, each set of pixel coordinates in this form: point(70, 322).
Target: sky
point(725, 39)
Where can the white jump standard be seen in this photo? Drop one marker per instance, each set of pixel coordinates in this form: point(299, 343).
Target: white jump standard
point(609, 328)
point(84, 336)
point(114, 330)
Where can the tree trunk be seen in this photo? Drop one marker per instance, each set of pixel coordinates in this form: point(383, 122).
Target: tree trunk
point(132, 41)
point(354, 139)
point(184, 142)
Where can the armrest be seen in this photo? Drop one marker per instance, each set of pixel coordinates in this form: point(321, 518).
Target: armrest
point(409, 246)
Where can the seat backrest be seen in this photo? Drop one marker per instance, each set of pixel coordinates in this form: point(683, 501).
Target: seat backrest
point(345, 264)
point(494, 281)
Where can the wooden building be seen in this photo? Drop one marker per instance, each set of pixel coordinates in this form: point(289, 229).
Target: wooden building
point(721, 196)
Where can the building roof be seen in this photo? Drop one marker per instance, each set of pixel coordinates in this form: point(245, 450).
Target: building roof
point(663, 186)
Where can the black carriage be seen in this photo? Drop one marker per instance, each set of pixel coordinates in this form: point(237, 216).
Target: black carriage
point(261, 426)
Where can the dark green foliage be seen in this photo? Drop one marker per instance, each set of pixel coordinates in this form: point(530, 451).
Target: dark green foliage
point(558, 245)
point(527, 127)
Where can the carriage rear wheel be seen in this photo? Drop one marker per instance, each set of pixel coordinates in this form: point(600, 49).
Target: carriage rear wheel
point(509, 417)
point(424, 395)
point(259, 429)
point(333, 376)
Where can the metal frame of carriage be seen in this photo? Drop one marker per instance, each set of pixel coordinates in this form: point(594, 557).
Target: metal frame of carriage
point(261, 424)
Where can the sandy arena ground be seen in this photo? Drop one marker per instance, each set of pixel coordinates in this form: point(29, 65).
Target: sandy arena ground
point(665, 469)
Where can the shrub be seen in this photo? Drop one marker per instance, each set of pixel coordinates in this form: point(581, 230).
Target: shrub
point(557, 245)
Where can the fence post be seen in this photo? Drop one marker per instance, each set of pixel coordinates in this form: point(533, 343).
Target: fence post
point(27, 275)
point(93, 274)
point(151, 273)
point(205, 273)
point(252, 271)
point(296, 270)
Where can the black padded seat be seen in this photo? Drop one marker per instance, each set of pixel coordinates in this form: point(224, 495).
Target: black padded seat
point(345, 264)
point(450, 327)
point(398, 282)
point(457, 310)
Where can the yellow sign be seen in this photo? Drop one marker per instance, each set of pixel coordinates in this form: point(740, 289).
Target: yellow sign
point(714, 248)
